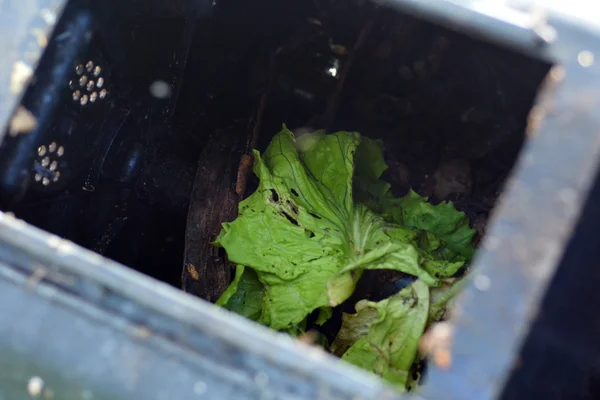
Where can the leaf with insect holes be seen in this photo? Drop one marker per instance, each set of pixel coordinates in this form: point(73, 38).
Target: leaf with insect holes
point(383, 337)
point(303, 234)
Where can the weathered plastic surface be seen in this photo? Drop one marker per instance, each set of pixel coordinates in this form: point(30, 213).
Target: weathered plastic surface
point(25, 28)
point(537, 213)
point(87, 325)
point(114, 332)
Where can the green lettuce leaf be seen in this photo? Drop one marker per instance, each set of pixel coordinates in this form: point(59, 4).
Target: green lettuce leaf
point(383, 337)
point(324, 314)
point(442, 220)
point(354, 327)
point(442, 296)
point(245, 295)
point(441, 234)
point(303, 234)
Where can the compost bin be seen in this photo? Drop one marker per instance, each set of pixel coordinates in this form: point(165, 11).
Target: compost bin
point(128, 135)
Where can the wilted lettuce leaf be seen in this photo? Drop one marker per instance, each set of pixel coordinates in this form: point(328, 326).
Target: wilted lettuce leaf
point(442, 220)
point(441, 296)
point(303, 234)
point(354, 327)
point(441, 234)
point(245, 294)
point(383, 337)
point(324, 314)
point(370, 164)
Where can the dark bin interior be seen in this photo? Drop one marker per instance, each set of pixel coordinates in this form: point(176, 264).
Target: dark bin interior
point(450, 109)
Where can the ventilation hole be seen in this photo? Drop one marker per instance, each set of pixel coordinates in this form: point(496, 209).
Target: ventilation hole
point(289, 218)
point(314, 215)
point(309, 234)
point(294, 192)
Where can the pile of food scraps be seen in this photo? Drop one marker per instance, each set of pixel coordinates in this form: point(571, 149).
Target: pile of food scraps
point(320, 217)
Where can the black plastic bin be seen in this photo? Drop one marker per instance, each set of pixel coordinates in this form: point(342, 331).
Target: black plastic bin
point(111, 108)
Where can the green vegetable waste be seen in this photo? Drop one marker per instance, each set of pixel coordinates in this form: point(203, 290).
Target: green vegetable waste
point(319, 218)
